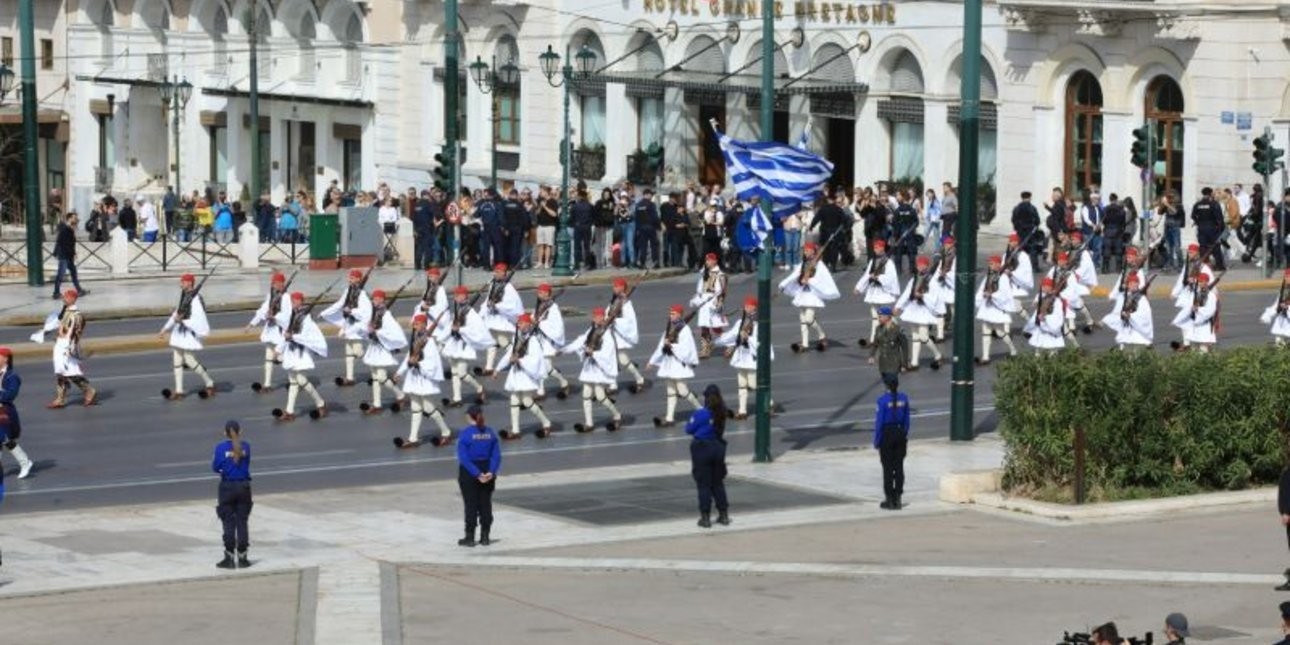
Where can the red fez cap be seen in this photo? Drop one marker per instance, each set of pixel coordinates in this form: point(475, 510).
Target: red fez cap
point(676, 309)
point(71, 293)
point(1131, 252)
point(379, 293)
point(620, 283)
point(297, 296)
point(996, 259)
point(433, 272)
point(525, 318)
point(750, 301)
point(461, 290)
point(711, 257)
point(1063, 256)
point(812, 246)
point(544, 288)
point(5, 351)
point(187, 277)
point(598, 312)
point(278, 277)
point(355, 274)
point(1193, 248)
point(1013, 237)
point(947, 241)
point(500, 266)
point(923, 261)
point(1203, 277)
point(879, 244)
point(420, 318)
point(1047, 282)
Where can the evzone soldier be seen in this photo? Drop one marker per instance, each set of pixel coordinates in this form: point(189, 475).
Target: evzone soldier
point(384, 338)
point(351, 314)
point(1130, 318)
point(598, 349)
point(879, 286)
point(810, 284)
point(275, 314)
point(434, 299)
point(462, 334)
point(1133, 265)
point(1278, 315)
point(68, 370)
point(995, 305)
point(741, 346)
point(917, 308)
point(550, 335)
point(187, 326)
point(1086, 275)
point(675, 358)
point(710, 298)
point(1020, 272)
point(946, 267)
point(300, 343)
point(527, 369)
point(622, 316)
point(421, 372)
point(1072, 291)
point(502, 307)
point(1047, 325)
point(1185, 287)
point(1199, 321)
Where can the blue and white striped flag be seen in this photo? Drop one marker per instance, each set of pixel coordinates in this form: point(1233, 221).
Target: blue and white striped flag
point(783, 175)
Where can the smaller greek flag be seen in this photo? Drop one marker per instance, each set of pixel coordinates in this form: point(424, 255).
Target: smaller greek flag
point(779, 174)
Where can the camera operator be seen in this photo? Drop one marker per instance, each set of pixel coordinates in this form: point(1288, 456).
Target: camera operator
point(1107, 634)
point(1285, 624)
point(1176, 629)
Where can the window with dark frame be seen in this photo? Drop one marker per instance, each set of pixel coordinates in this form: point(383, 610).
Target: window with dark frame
point(1083, 133)
point(6, 51)
point(1164, 111)
point(46, 53)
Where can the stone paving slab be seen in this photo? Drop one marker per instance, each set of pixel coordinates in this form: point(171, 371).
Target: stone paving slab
point(218, 611)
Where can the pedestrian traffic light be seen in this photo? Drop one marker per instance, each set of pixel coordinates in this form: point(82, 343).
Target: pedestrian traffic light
point(443, 170)
point(1141, 148)
point(654, 156)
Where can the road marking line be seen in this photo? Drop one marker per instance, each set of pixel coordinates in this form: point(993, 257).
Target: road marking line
point(259, 459)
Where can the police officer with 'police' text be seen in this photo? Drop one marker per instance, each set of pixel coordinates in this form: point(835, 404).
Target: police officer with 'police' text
point(890, 437)
point(233, 463)
point(479, 457)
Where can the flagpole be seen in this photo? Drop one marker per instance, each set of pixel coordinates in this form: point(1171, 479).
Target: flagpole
point(761, 443)
point(964, 379)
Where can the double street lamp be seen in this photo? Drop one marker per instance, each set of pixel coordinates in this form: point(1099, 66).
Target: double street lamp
point(586, 60)
point(492, 81)
point(175, 95)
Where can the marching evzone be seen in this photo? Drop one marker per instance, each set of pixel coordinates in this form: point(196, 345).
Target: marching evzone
point(1071, 290)
point(1047, 325)
point(1133, 265)
point(995, 305)
point(1021, 274)
point(1278, 315)
point(188, 326)
point(622, 316)
point(67, 354)
point(1185, 286)
point(946, 268)
point(434, 299)
point(810, 284)
point(550, 335)
point(1086, 275)
point(709, 298)
point(916, 307)
point(598, 349)
point(351, 315)
point(527, 366)
point(1130, 318)
point(462, 334)
point(501, 308)
point(384, 338)
point(1199, 321)
point(421, 372)
point(675, 358)
point(879, 286)
point(300, 343)
point(275, 314)
point(741, 346)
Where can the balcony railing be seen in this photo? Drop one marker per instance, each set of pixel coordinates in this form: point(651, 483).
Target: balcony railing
point(588, 164)
point(640, 171)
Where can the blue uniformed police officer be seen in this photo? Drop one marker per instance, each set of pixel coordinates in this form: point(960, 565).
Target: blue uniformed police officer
point(890, 437)
point(233, 463)
point(708, 456)
point(479, 458)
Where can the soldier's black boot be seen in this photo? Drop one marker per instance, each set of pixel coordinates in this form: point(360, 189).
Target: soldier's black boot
point(483, 535)
point(243, 561)
point(705, 520)
point(227, 562)
point(723, 517)
point(469, 540)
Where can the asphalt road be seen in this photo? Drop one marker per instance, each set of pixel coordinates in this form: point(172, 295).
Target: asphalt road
point(136, 447)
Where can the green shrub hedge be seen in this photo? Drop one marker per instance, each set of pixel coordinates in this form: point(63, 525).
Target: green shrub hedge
point(1155, 425)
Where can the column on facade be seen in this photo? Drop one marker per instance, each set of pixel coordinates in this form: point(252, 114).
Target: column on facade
point(1047, 156)
point(872, 145)
point(1118, 174)
point(940, 144)
point(620, 128)
point(278, 178)
point(479, 142)
point(326, 153)
point(239, 141)
point(681, 145)
point(741, 123)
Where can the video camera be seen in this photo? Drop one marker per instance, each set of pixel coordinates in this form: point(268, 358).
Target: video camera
point(1087, 639)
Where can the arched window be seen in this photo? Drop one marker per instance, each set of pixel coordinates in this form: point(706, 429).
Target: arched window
point(219, 34)
point(905, 116)
point(353, 55)
point(305, 35)
point(1083, 133)
point(1164, 108)
point(508, 96)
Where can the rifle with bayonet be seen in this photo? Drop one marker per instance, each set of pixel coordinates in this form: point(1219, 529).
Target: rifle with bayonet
point(1132, 299)
point(378, 312)
point(298, 315)
point(351, 294)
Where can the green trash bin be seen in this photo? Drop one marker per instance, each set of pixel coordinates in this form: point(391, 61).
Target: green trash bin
point(324, 237)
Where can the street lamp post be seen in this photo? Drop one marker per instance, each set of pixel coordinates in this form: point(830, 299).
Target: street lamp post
point(491, 81)
point(550, 67)
point(175, 95)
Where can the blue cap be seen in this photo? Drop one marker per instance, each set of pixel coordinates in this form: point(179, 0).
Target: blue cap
point(884, 311)
point(474, 411)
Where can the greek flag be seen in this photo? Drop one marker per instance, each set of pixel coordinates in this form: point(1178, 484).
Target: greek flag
point(784, 176)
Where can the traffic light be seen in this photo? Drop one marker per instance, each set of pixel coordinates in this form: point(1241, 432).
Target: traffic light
point(1267, 159)
point(1141, 149)
point(443, 170)
point(654, 156)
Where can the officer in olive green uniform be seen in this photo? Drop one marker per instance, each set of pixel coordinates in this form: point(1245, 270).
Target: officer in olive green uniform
point(890, 348)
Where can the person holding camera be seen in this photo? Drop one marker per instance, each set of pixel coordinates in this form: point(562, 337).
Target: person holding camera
point(233, 463)
point(1285, 624)
point(1176, 632)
